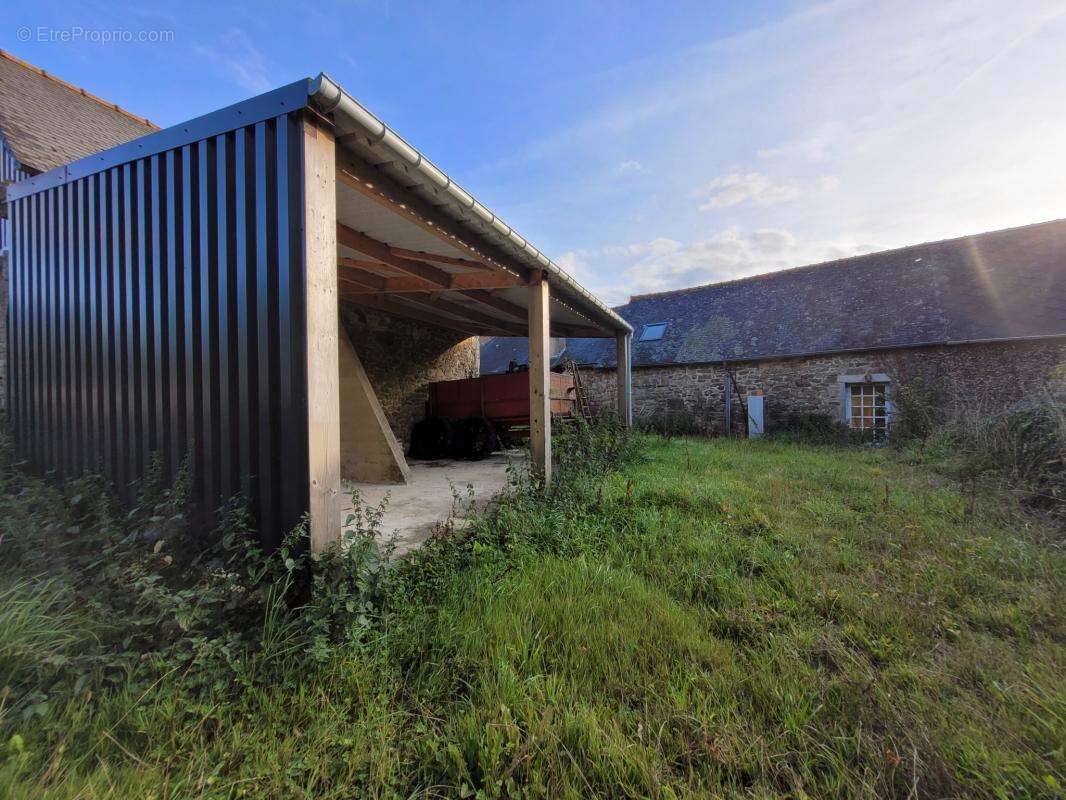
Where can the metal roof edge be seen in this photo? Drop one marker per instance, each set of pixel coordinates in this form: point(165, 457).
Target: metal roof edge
point(283, 100)
point(330, 98)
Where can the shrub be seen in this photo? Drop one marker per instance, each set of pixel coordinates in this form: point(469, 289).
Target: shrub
point(1022, 449)
point(130, 597)
point(693, 417)
point(820, 429)
point(1026, 447)
point(810, 428)
point(676, 422)
point(917, 410)
point(596, 448)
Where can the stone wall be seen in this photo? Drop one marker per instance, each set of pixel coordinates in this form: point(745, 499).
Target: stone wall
point(975, 378)
point(401, 357)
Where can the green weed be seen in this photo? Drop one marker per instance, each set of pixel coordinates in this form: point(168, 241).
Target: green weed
point(672, 618)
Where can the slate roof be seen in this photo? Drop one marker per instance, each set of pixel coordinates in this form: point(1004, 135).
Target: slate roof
point(48, 122)
point(1005, 284)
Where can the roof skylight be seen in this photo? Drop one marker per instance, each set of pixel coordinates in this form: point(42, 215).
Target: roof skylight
point(653, 332)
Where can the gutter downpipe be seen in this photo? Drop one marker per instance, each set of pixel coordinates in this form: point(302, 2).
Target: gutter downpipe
point(328, 97)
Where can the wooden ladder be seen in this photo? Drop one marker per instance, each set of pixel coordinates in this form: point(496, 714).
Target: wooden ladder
point(579, 390)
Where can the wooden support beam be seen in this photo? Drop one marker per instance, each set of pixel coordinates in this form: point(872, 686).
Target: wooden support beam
point(624, 376)
point(519, 313)
point(419, 314)
point(435, 258)
point(382, 252)
point(583, 332)
point(360, 277)
point(457, 309)
point(370, 265)
point(485, 297)
point(321, 330)
point(383, 190)
point(540, 418)
point(375, 185)
point(459, 283)
point(369, 450)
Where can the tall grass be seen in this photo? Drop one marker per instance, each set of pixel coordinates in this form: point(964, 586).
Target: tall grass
point(673, 618)
point(38, 626)
point(1021, 450)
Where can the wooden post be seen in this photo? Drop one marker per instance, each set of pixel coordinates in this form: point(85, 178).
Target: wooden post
point(540, 419)
point(321, 326)
point(624, 376)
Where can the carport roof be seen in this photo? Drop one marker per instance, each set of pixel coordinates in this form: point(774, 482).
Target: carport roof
point(429, 218)
point(411, 241)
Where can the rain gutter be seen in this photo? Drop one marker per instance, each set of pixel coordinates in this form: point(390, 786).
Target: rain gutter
point(329, 98)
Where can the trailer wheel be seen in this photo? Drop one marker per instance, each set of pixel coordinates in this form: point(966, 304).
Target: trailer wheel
point(478, 438)
point(432, 437)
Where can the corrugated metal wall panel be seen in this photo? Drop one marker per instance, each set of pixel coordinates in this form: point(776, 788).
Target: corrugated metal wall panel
point(157, 313)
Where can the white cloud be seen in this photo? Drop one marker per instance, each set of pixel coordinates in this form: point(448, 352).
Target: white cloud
point(573, 263)
point(770, 241)
point(756, 190)
point(662, 264)
point(632, 165)
point(752, 188)
point(829, 183)
point(814, 147)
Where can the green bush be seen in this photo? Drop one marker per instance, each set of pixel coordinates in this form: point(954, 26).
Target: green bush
point(1023, 448)
point(679, 422)
point(918, 410)
point(808, 428)
point(595, 449)
point(93, 600)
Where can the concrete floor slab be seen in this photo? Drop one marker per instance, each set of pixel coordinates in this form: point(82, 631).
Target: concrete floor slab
point(414, 510)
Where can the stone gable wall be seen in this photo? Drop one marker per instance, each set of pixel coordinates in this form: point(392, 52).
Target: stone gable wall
point(402, 357)
point(974, 379)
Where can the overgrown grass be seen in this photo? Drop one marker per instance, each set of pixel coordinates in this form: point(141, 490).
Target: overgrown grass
point(1021, 449)
point(715, 618)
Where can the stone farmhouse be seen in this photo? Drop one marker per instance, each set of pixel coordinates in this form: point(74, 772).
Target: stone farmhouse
point(981, 319)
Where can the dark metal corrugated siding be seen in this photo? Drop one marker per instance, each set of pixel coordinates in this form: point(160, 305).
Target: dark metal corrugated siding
point(156, 311)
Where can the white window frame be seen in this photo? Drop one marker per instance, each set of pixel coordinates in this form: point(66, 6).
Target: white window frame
point(866, 379)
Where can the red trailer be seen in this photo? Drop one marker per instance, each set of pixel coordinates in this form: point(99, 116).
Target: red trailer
point(468, 417)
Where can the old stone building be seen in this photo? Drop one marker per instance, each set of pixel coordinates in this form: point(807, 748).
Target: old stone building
point(402, 357)
point(46, 122)
point(979, 322)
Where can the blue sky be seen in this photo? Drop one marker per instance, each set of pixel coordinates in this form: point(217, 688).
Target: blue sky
point(645, 146)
